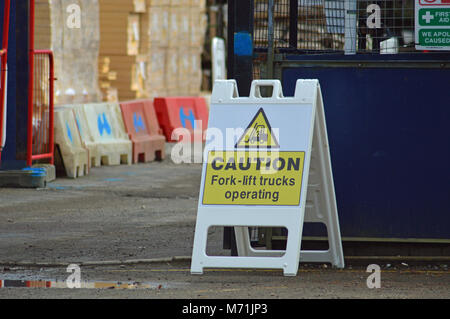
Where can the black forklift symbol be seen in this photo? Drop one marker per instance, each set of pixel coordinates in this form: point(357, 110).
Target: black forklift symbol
point(259, 135)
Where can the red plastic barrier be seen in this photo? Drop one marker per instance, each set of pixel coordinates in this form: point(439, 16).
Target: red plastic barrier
point(144, 131)
point(182, 112)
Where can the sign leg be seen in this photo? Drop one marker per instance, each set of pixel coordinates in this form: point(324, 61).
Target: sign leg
point(243, 241)
point(293, 249)
point(199, 252)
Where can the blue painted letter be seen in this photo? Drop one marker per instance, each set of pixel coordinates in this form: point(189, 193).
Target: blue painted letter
point(103, 125)
point(190, 118)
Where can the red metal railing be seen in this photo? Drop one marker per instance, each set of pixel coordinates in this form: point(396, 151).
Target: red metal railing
point(41, 112)
point(40, 101)
point(4, 70)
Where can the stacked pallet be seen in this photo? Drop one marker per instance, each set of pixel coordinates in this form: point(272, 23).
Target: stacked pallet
point(198, 22)
point(151, 48)
point(172, 42)
point(121, 67)
point(75, 48)
point(122, 49)
point(155, 30)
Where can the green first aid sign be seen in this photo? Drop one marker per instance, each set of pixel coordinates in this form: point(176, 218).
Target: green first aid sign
point(434, 17)
point(434, 37)
point(432, 25)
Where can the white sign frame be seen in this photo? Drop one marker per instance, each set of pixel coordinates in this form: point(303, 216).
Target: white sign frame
point(318, 200)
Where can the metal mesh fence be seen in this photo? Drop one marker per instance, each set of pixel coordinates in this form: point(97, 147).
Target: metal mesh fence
point(385, 26)
point(337, 26)
point(281, 23)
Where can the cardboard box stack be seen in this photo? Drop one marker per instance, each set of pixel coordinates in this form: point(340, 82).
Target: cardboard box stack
point(123, 49)
point(75, 48)
point(121, 67)
point(198, 21)
point(172, 41)
point(155, 30)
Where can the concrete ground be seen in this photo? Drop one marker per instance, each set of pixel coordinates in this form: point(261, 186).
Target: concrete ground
point(148, 211)
point(173, 281)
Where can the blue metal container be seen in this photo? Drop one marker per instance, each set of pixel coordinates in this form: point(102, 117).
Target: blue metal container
point(389, 129)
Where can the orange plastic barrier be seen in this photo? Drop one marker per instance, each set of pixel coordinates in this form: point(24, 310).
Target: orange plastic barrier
point(189, 113)
point(144, 131)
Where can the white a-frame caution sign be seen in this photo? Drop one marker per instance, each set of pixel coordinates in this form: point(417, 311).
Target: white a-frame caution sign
point(277, 173)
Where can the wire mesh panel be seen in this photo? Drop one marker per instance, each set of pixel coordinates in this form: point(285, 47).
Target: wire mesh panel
point(337, 26)
point(385, 26)
point(281, 23)
point(321, 25)
point(42, 106)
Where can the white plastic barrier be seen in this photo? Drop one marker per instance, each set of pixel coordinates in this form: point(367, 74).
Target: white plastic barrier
point(67, 137)
point(86, 139)
point(103, 132)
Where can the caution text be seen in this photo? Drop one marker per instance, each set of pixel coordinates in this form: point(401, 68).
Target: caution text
point(254, 178)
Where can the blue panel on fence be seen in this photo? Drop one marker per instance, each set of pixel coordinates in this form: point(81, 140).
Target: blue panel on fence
point(389, 136)
point(243, 44)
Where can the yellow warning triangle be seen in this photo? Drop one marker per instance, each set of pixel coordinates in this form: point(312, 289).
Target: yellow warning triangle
point(258, 134)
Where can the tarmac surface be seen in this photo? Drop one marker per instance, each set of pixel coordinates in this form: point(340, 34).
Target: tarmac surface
point(173, 281)
point(148, 211)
